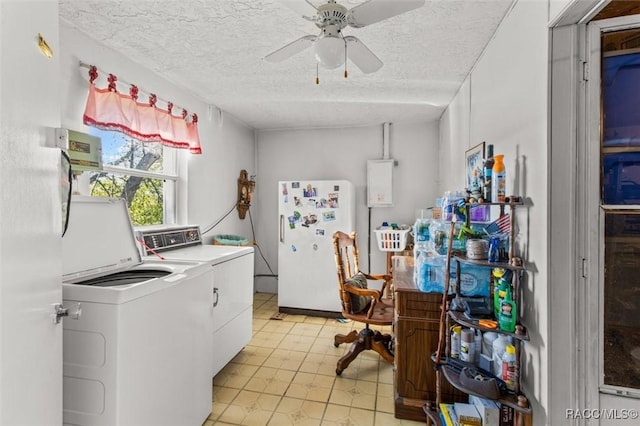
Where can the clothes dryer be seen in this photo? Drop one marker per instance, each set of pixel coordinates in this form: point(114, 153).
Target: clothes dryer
point(233, 287)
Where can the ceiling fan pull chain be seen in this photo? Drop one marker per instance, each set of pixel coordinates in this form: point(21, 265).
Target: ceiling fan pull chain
point(317, 75)
point(345, 59)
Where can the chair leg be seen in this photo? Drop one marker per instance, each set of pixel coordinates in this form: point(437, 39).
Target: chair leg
point(380, 343)
point(345, 338)
point(358, 346)
point(384, 337)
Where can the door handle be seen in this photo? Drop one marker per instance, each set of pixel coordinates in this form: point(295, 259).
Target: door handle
point(216, 295)
point(282, 228)
point(73, 312)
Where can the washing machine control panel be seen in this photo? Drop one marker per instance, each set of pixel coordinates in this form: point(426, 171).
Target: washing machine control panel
point(168, 239)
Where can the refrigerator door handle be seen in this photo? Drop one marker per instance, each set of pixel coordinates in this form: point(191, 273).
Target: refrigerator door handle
point(282, 228)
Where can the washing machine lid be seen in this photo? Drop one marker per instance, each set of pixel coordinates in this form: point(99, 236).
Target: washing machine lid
point(99, 239)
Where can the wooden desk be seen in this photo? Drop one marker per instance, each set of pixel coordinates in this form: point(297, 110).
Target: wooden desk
point(415, 327)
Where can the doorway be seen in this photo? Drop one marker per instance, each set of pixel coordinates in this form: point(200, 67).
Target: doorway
point(594, 171)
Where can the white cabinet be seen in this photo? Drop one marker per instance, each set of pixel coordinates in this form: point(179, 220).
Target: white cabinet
point(233, 308)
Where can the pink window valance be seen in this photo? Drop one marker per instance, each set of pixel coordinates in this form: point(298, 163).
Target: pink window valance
point(107, 109)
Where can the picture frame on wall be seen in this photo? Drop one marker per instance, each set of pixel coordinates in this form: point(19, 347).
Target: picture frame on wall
point(474, 172)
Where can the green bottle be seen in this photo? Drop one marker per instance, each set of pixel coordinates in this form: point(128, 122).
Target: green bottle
point(499, 285)
point(507, 317)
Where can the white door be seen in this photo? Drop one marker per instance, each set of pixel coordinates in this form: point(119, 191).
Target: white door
point(611, 197)
point(30, 217)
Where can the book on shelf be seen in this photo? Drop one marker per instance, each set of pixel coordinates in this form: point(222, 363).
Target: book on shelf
point(448, 415)
point(467, 414)
point(507, 415)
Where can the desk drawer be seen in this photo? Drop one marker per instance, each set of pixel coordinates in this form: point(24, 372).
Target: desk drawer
point(418, 305)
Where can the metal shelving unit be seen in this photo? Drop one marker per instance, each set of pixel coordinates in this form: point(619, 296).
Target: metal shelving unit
point(514, 399)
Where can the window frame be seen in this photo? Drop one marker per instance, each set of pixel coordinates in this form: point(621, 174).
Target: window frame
point(170, 174)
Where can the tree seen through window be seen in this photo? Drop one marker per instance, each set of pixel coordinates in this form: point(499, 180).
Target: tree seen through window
point(131, 170)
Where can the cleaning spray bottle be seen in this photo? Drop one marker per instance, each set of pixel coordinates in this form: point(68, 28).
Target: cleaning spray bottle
point(507, 317)
point(498, 177)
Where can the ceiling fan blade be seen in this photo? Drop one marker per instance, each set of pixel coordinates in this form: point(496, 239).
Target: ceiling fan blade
point(360, 55)
point(304, 8)
point(291, 49)
point(373, 11)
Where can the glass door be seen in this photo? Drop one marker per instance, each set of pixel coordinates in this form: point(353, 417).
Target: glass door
point(614, 159)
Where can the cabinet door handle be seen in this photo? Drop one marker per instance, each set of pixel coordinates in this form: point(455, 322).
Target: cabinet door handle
point(216, 295)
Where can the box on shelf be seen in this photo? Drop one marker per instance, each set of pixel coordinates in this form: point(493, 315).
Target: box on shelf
point(429, 275)
point(467, 414)
point(489, 410)
point(479, 213)
point(485, 362)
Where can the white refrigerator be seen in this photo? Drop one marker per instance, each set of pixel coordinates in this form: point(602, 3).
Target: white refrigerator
point(309, 213)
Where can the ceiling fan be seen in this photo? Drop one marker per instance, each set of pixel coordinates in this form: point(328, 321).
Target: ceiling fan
point(330, 46)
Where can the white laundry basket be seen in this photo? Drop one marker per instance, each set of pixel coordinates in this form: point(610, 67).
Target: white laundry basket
point(392, 239)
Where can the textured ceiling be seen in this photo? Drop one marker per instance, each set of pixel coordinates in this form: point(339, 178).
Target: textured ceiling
point(214, 48)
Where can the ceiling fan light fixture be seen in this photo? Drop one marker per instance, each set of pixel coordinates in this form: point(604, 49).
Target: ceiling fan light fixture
point(330, 51)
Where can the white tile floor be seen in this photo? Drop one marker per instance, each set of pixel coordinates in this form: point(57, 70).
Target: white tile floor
point(286, 376)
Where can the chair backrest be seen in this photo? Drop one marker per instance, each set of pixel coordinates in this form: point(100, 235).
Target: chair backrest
point(345, 249)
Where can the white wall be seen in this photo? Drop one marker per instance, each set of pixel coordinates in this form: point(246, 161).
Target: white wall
point(454, 126)
point(209, 187)
point(213, 176)
point(343, 154)
point(508, 108)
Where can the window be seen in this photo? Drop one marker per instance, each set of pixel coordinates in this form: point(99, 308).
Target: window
point(143, 173)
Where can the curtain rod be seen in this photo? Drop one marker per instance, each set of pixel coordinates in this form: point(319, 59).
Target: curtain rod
point(88, 66)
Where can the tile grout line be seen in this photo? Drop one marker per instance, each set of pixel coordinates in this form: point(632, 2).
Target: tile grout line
point(318, 337)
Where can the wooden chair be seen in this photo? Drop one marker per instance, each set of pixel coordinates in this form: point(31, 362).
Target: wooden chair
point(378, 311)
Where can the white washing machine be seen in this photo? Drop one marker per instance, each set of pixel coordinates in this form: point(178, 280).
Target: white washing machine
point(233, 268)
point(139, 351)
